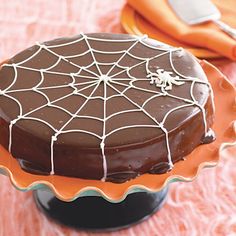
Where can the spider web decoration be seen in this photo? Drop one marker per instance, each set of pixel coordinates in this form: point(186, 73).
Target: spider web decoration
point(160, 78)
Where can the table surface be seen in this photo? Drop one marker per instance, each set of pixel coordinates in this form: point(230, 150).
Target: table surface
point(206, 206)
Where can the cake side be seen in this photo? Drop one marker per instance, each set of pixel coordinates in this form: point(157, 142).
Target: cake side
point(103, 106)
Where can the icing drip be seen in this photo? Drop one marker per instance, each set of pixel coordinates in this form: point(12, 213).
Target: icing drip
point(160, 78)
point(209, 136)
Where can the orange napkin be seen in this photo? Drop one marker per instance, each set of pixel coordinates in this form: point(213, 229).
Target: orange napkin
point(206, 35)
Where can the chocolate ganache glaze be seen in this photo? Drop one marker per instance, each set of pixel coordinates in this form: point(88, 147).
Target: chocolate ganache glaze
point(103, 106)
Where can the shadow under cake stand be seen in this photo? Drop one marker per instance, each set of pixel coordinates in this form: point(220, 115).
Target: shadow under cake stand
point(95, 213)
point(105, 206)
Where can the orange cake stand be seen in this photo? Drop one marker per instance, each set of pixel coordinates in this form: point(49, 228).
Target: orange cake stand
point(96, 205)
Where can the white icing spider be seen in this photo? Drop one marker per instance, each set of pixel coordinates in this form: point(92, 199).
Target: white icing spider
point(164, 79)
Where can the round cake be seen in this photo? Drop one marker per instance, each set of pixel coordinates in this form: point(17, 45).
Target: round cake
point(103, 106)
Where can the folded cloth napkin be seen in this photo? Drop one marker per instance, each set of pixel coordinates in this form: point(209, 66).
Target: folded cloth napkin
point(206, 35)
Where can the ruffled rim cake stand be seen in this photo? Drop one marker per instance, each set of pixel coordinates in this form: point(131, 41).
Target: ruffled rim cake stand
point(96, 205)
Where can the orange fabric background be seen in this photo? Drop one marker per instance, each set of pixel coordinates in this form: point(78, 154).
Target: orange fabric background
point(208, 35)
point(206, 206)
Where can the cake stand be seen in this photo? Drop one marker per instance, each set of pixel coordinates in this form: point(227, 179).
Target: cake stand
point(105, 206)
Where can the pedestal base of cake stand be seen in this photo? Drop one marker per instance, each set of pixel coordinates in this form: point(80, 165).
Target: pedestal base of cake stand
point(96, 213)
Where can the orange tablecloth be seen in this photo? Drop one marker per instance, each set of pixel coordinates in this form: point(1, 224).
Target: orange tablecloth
point(206, 206)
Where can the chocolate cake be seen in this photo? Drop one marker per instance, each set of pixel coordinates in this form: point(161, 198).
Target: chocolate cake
point(103, 106)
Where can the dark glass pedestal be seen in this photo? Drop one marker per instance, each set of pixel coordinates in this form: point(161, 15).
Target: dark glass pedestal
point(97, 214)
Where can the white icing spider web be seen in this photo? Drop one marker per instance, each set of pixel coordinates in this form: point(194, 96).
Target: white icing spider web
point(163, 80)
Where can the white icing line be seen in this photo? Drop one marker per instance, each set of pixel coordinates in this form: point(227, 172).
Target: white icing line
point(78, 55)
point(63, 58)
point(52, 172)
point(91, 52)
point(108, 52)
point(149, 99)
point(125, 79)
point(14, 99)
point(54, 137)
point(174, 109)
point(191, 91)
point(65, 44)
point(200, 107)
point(121, 112)
point(90, 117)
point(164, 48)
point(153, 119)
point(135, 87)
point(102, 144)
point(85, 76)
point(29, 58)
point(113, 40)
point(13, 121)
point(36, 119)
point(124, 54)
point(54, 65)
point(131, 126)
point(14, 79)
point(28, 113)
point(162, 79)
point(158, 125)
point(140, 63)
point(81, 131)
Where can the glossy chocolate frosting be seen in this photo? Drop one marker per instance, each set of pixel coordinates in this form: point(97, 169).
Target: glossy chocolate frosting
point(39, 76)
